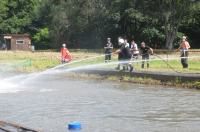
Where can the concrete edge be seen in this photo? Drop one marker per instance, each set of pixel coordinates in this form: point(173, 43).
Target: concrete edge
point(181, 77)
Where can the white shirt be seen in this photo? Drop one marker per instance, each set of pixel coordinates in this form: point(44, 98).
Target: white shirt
point(135, 48)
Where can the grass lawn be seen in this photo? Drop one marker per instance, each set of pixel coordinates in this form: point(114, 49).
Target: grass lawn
point(38, 61)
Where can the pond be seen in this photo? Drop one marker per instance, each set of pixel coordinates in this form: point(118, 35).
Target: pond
point(50, 102)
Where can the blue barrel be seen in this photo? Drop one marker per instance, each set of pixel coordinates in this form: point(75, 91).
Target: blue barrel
point(74, 125)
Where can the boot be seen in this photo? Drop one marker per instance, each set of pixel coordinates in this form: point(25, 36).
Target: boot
point(147, 65)
point(131, 68)
point(118, 67)
point(124, 68)
point(142, 66)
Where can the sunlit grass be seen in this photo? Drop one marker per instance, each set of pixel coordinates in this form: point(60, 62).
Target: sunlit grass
point(38, 61)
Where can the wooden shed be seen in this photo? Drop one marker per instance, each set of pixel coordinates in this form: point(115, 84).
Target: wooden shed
point(18, 42)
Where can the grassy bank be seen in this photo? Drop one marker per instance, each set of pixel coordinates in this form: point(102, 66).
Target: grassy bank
point(138, 80)
point(39, 61)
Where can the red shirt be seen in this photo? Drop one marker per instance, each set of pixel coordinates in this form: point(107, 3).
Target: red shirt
point(65, 54)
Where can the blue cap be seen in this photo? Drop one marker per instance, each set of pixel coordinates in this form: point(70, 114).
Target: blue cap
point(74, 125)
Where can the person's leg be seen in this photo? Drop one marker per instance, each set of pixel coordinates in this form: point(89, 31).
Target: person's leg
point(118, 67)
point(147, 59)
point(186, 62)
point(182, 59)
point(124, 67)
point(186, 59)
point(106, 57)
point(119, 59)
point(182, 62)
point(130, 66)
point(62, 61)
point(109, 57)
point(136, 56)
point(143, 59)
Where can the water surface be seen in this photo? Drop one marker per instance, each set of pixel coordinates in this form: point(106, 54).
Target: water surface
point(50, 102)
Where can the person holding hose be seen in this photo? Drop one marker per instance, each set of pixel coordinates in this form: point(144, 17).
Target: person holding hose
point(144, 51)
point(184, 47)
point(65, 54)
point(124, 55)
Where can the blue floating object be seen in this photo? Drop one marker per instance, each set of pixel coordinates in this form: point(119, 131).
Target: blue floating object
point(74, 125)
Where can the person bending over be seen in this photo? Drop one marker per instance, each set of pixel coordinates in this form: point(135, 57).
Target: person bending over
point(124, 55)
point(65, 54)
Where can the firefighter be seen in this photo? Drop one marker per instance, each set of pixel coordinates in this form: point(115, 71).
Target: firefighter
point(65, 54)
point(184, 47)
point(124, 55)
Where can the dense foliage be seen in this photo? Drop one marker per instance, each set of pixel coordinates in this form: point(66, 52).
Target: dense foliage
point(87, 23)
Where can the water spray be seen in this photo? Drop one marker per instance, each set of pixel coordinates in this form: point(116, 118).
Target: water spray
point(111, 63)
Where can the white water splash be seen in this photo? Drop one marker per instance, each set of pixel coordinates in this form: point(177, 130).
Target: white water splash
point(63, 69)
point(7, 87)
point(11, 84)
point(14, 84)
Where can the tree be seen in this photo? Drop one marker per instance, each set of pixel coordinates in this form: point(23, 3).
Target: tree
point(171, 13)
point(3, 14)
point(16, 15)
point(191, 26)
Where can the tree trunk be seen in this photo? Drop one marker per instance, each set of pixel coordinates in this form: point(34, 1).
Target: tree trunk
point(170, 39)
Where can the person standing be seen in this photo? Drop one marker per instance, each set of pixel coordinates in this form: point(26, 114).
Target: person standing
point(184, 47)
point(145, 54)
point(65, 54)
point(126, 43)
point(108, 50)
point(124, 55)
point(134, 50)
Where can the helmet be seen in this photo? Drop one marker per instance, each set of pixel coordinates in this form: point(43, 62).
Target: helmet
point(64, 45)
point(184, 37)
point(120, 41)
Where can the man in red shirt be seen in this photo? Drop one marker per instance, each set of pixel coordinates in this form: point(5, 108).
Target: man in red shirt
point(65, 54)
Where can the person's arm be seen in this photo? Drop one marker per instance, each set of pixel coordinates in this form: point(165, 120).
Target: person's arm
point(140, 51)
point(111, 46)
point(106, 47)
point(151, 50)
point(188, 45)
point(117, 51)
point(61, 51)
point(180, 45)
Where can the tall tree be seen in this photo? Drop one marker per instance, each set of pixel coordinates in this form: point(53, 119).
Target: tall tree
point(18, 15)
point(171, 13)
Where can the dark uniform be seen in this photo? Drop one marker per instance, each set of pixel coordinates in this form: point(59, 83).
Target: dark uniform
point(108, 51)
point(145, 55)
point(184, 58)
point(125, 55)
